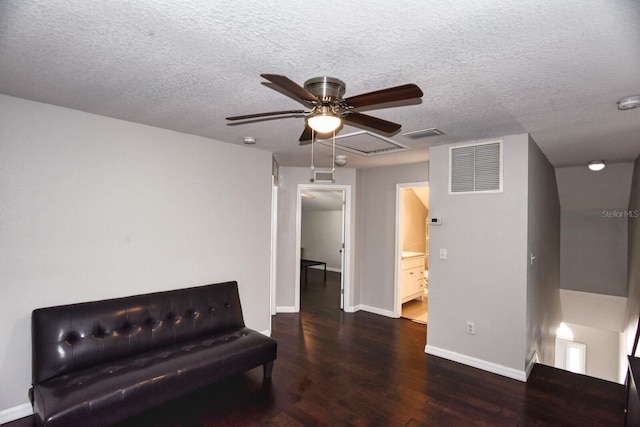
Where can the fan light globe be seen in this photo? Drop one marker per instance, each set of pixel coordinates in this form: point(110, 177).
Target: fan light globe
point(324, 121)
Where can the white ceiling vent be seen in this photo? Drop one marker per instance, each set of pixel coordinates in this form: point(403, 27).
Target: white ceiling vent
point(425, 133)
point(475, 168)
point(365, 143)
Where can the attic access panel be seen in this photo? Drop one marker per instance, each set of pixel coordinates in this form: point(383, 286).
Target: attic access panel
point(365, 143)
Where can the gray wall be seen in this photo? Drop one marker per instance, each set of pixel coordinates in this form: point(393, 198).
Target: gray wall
point(377, 221)
point(484, 279)
point(289, 178)
point(543, 278)
point(594, 228)
point(322, 237)
point(93, 207)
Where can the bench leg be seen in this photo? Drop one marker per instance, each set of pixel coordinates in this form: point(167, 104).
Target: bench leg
point(268, 368)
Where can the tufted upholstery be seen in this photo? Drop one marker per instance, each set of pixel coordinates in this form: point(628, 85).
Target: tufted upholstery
point(99, 362)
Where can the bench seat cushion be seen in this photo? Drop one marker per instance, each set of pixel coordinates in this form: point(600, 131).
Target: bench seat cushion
point(112, 391)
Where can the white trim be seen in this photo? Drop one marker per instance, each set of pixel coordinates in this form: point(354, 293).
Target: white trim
point(286, 309)
point(376, 310)
point(15, 413)
point(321, 268)
point(530, 364)
point(505, 371)
point(397, 301)
point(346, 267)
point(274, 246)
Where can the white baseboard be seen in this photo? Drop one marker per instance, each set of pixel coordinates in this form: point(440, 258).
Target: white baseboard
point(286, 309)
point(15, 413)
point(319, 267)
point(505, 371)
point(376, 310)
point(532, 361)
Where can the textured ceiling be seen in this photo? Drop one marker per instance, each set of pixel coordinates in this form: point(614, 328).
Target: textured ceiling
point(487, 68)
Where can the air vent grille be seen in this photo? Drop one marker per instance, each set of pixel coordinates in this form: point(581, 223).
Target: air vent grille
point(476, 168)
point(425, 133)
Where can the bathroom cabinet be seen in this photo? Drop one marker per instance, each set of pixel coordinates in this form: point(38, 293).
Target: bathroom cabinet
point(412, 277)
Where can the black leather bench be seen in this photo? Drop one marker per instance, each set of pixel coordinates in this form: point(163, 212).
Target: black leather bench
point(100, 362)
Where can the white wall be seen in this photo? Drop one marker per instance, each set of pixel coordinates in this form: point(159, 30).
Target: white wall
point(322, 237)
point(599, 364)
point(484, 278)
point(289, 178)
point(377, 221)
point(92, 208)
point(544, 311)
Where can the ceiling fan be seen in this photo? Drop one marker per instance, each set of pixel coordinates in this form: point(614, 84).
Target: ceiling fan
point(324, 96)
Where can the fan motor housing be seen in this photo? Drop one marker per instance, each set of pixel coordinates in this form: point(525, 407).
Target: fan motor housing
point(326, 88)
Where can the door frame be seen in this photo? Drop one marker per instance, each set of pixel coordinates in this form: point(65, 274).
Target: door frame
point(346, 251)
point(397, 301)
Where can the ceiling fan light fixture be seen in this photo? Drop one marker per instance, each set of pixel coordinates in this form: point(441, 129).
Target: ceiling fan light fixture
point(324, 120)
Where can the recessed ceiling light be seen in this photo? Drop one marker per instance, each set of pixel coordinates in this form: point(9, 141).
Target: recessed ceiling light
point(596, 165)
point(629, 102)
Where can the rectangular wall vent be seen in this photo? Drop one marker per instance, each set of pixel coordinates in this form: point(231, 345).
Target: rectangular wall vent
point(475, 168)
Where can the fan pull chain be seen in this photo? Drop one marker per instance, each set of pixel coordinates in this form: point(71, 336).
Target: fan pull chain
point(333, 163)
point(313, 140)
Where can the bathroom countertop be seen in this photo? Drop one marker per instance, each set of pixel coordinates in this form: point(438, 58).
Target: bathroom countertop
point(407, 254)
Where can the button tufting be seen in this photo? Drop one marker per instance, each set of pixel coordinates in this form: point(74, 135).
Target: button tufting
point(99, 332)
point(71, 338)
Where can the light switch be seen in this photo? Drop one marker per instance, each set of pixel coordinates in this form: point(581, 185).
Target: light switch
point(443, 253)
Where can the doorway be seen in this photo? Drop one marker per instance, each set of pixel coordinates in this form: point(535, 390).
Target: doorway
point(323, 238)
point(412, 251)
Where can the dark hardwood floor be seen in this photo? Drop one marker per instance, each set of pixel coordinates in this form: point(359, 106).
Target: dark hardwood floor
point(361, 369)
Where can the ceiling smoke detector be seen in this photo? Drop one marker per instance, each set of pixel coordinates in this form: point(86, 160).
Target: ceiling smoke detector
point(629, 102)
point(340, 160)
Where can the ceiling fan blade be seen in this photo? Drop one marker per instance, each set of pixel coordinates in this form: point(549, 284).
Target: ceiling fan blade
point(272, 113)
point(305, 138)
point(291, 87)
point(398, 93)
point(371, 122)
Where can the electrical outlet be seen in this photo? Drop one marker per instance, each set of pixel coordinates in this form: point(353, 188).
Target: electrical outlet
point(471, 328)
